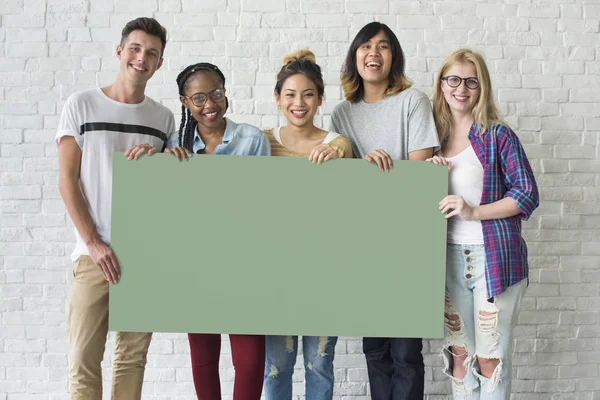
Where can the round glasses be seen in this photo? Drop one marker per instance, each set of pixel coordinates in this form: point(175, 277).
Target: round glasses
point(199, 99)
point(454, 81)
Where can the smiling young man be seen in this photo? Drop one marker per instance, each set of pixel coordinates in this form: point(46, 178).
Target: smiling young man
point(93, 125)
point(386, 120)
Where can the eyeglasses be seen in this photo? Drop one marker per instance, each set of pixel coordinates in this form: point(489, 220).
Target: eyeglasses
point(454, 81)
point(199, 99)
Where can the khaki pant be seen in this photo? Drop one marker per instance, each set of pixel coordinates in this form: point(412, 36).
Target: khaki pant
point(88, 328)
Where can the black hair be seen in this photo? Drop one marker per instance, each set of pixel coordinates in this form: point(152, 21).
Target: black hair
point(352, 82)
point(188, 122)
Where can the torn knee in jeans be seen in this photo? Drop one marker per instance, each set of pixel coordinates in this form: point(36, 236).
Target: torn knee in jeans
point(454, 326)
point(459, 389)
point(488, 324)
point(491, 370)
point(323, 340)
point(273, 371)
point(459, 352)
point(289, 344)
point(461, 386)
point(453, 322)
point(488, 321)
point(318, 359)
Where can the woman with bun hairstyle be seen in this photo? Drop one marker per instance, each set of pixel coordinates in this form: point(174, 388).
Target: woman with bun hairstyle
point(491, 190)
point(299, 93)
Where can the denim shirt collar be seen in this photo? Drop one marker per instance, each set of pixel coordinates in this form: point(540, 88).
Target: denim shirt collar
point(230, 128)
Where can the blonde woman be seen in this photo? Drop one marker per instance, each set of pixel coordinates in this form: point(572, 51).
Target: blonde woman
point(491, 190)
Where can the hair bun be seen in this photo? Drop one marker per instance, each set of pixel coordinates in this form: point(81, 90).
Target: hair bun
point(300, 55)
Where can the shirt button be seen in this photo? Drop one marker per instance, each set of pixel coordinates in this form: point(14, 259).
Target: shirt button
point(467, 252)
point(470, 267)
point(469, 276)
point(469, 259)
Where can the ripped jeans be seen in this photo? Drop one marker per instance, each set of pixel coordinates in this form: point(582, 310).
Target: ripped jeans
point(476, 327)
point(318, 354)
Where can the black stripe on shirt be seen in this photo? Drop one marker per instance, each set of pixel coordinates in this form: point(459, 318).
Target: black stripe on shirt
point(127, 128)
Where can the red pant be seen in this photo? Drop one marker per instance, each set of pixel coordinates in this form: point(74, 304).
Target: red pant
point(248, 355)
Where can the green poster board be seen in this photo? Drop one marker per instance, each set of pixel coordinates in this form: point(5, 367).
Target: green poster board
point(277, 245)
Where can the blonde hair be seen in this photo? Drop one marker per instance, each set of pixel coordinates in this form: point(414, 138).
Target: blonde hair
point(304, 54)
point(301, 62)
point(484, 112)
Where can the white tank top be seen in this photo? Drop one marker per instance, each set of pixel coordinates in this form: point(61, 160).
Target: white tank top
point(466, 180)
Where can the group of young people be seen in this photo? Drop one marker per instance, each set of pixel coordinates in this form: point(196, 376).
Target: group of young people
point(491, 190)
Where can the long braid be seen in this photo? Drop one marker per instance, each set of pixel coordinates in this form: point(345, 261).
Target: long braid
point(192, 133)
point(182, 124)
point(185, 113)
point(188, 142)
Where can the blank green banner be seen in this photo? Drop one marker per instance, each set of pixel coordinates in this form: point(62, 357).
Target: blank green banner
point(277, 245)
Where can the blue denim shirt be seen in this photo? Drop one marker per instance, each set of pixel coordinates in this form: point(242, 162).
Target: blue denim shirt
point(239, 139)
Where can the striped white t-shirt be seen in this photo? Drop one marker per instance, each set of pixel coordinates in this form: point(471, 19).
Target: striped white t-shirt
point(102, 126)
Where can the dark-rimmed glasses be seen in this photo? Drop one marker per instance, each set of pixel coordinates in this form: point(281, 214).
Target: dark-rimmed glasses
point(199, 99)
point(454, 81)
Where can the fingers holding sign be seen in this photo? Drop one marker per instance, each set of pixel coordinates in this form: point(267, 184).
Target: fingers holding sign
point(459, 207)
point(437, 160)
point(138, 150)
point(322, 153)
point(381, 158)
point(180, 152)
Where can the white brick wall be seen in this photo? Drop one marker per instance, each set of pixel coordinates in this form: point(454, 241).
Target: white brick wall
point(544, 58)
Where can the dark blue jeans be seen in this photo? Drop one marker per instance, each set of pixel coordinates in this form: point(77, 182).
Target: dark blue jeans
point(395, 367)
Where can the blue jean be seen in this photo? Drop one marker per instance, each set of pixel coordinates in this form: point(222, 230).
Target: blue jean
point(318, 354)
point(395, 367)
point(477, 327)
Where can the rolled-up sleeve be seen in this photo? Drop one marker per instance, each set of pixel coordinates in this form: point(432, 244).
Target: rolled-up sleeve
point(518, 175)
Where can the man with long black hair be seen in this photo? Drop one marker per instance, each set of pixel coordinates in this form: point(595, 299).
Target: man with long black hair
point(386, 120)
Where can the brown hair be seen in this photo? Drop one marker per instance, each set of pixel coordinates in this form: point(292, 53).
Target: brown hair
point(301, 62)
point(148, 25)
point(352, 82)
point(484, 112)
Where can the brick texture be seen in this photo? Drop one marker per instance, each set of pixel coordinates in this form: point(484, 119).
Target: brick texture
point(545, 65)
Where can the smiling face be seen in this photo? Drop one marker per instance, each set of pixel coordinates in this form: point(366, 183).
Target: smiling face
point(210, 115)
point(461, 99)
point(374, 60)
point(140, 56)
point(299, 100)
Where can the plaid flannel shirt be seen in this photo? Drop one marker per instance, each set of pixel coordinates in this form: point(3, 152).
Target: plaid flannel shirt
point(506, 173)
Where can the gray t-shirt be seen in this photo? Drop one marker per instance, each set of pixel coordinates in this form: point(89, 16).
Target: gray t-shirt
point(398, 124)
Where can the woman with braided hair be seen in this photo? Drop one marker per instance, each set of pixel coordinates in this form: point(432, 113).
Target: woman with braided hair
point(205, 130)
point(299, 93)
